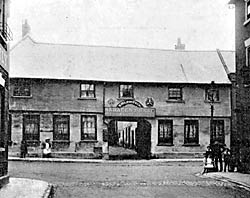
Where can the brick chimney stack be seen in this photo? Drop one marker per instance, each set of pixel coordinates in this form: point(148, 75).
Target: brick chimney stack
point(25, 28)
point(179, 46)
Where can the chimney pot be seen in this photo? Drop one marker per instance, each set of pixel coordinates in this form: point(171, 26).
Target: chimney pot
point(179, 46)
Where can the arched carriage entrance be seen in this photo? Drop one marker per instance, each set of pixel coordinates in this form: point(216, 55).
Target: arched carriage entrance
point(129, 130)
point(129, 138)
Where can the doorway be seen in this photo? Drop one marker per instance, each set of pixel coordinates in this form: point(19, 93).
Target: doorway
point(129, 139)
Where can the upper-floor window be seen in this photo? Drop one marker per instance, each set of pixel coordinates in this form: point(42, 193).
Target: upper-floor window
point(247, 9)
point(126, 91)
point(175, 93)
point(191, 132)
point(212, 95)
point(22, 88)
point(87, 90)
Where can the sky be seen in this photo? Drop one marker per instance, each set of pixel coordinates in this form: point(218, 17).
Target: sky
point(201, 24)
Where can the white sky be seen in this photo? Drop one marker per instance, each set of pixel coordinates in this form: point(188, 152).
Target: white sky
point(201, 24)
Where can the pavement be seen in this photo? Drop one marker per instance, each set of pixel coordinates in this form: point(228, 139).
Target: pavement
point(29, 188)
point(26, 188)
point(237, 179)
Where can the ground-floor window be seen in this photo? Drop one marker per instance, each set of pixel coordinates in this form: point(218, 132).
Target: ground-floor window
point(191, 132)
point(31, 127)
point(88, 127)
point(61, 127)
point(165, 132)
point(218, 131)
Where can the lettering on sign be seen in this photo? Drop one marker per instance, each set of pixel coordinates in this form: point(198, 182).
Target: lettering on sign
point(126, 102)
point(129, 112)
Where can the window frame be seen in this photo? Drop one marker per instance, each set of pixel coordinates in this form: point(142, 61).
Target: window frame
point(175, 98)
point(187, 139)
point(89, 92)
point(247, 10)
point(131, 91)
point(83, 138)
point(214, 133)
point(27, 119)
point(164, 140)
point(19, 87)
point(61, 136)
point(248, 56)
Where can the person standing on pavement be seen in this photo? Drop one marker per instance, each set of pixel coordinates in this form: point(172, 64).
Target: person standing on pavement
point(218, 149)
point(46, 148)
point(23, 149)
point(226, 156)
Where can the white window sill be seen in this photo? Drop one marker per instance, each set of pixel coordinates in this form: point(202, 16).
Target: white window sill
point(246, 22)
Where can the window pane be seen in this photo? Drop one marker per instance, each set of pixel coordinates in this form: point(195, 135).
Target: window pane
point(88, 131)
point(175, 93)
point(165, 131)
point(61, 127)
point(21, 89)
point(31, 127)
point(191, 133)
point(126, 91)
point(87, 90)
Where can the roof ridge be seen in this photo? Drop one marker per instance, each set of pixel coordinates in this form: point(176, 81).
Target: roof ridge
point(121, 47)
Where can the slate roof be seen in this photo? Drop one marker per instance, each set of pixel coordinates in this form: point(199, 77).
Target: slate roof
point(30, 59)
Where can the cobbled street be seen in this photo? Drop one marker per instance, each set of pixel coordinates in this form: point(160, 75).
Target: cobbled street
point(172, 179)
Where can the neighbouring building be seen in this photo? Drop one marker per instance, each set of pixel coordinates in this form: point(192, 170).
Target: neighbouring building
point(241, 131)
point(155, 102)
point(5, 36)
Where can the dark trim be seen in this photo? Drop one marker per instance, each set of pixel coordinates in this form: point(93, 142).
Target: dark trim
point(187, 116)
point(165, 144)
point(191, 145)
point(86, 98)
point(59, 112)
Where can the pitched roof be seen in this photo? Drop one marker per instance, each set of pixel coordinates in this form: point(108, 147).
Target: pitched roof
point(30, 59)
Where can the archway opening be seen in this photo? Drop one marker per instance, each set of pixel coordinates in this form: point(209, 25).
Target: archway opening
point(129, 139)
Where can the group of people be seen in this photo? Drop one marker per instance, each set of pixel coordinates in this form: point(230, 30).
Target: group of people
point(214, 156)
point(45, 146)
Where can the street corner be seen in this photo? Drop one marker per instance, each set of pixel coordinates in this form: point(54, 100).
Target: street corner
point(29, 188)
point(236, 179)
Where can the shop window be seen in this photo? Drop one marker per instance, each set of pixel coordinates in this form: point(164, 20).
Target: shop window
point(87, 90)
point(175, 93)
point(191, 132)
point(126, 91)
point(88, 127)
point(61, 127)
point(22, 89)
point(218, 131)
point(165, 132)
point(31, 129)
point(212, 95)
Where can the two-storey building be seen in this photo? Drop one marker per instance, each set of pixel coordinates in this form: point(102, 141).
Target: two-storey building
point(240, 133)
point(155, 102)
point(5, 36)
